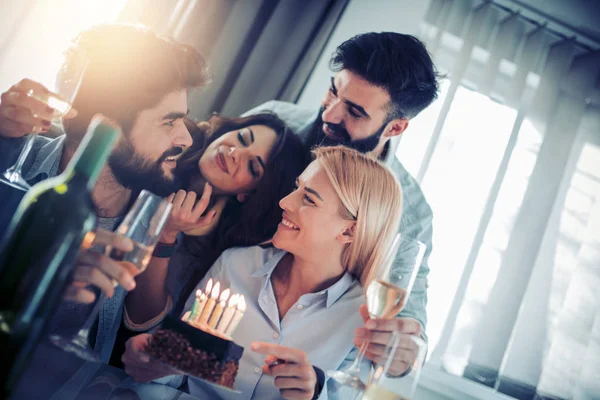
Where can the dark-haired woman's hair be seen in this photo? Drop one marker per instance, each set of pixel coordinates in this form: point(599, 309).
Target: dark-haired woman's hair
point(253, 221)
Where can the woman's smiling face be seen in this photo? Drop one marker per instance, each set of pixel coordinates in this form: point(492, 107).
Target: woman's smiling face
point(235, 162)
point(312, 225)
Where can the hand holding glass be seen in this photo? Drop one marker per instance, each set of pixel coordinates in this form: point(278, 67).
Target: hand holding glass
point(143, 224)
point(384, 387)
point(387, 295)
point(67, 86)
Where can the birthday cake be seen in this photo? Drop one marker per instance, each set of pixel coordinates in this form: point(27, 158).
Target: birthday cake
point(196, 352)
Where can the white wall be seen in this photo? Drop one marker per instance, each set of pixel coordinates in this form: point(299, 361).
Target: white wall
point(361, 16)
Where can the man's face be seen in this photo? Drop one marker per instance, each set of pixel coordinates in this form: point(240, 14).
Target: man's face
point(146, 155)
point(353, 113)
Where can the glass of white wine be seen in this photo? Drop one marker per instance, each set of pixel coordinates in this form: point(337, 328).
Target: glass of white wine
point(386, 296)
point(67, 86)
point(384, 387)
point(143, 224)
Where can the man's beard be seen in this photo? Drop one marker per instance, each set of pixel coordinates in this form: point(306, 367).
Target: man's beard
point(317, 137)
point(136, 173)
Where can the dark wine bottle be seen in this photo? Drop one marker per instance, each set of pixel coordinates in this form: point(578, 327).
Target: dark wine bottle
point(40, 248)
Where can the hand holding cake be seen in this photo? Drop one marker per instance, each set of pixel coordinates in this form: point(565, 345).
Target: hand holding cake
point(138, 365)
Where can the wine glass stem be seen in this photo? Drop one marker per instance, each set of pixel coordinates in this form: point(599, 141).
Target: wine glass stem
point(85, 329)
point(355, 367)
point(24, 153)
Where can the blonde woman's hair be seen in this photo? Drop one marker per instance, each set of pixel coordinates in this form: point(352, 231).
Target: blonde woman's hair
point(371, 196)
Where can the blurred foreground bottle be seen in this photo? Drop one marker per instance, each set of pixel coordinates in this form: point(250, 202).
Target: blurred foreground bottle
point(39, 250)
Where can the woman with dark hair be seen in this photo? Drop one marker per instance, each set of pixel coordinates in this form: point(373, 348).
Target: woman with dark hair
point(243, 166)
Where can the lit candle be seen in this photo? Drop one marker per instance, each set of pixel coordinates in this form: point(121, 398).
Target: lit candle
point(198, 305)
point(201, 304)
point(214, 319)
point(228, 314)
point(237, 317)
point(210, 305)
point(186, 316)
point(209, 286)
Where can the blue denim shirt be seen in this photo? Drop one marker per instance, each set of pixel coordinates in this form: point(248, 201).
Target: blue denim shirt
point(416, 222)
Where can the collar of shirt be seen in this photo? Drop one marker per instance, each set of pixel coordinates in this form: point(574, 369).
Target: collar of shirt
point(333, 293)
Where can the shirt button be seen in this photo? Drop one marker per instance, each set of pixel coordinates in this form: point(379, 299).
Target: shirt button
point(300, 307)
point(257, 370)
point(275, 335)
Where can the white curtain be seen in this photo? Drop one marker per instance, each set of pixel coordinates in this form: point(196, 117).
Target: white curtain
point(34, 34)
point(509, 158)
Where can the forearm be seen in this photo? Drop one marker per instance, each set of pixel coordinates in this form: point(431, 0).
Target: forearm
point(416, 305)
point(150, 295)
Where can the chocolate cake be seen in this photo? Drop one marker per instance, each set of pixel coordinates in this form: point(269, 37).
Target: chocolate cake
point(196, 352)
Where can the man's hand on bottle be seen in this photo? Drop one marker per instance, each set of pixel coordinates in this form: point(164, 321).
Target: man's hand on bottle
point(94, 268)
point(21, 114)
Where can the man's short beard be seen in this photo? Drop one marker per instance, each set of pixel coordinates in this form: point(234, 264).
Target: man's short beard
point(136, 173)
point(317, 137)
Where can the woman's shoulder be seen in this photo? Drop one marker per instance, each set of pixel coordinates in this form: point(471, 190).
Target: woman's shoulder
point(253, 257)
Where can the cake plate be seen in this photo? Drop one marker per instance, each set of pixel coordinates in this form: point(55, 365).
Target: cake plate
point(182, 372)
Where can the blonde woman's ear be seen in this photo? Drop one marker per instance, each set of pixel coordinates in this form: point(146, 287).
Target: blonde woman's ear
point(347, 236)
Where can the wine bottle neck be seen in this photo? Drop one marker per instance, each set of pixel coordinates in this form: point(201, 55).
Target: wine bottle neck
point(89, 159)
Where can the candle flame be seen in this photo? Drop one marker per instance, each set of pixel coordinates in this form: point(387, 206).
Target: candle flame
point(242, 304)
point(209, 286)
point(233, 300)
point(225, 295)
point(199, 293)
point(215, 291)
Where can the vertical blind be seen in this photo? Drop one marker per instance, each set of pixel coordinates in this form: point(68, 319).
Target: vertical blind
point(509, 158)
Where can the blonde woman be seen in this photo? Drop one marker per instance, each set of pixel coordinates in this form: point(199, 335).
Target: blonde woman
point(303, 294)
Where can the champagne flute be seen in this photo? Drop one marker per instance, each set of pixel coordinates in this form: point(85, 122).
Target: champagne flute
point(386, 296)
point(67, 86)
point(381, 386)
point(143, 224)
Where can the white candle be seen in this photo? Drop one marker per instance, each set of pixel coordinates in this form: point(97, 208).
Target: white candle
point(216, 315)
point(186, 316)
point(237, 317)
point(214, 319)
point(210, 305)
point(228, 314)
